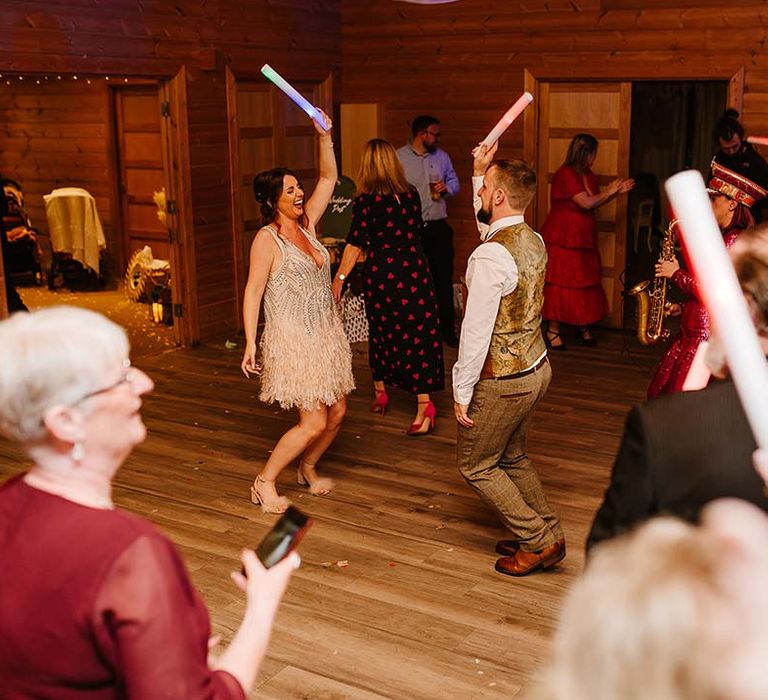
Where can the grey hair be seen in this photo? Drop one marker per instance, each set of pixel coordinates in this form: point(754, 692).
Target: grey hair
point(647, 620)
point(52, 357)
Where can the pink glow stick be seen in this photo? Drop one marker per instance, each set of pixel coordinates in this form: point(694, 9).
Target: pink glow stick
point(759, 140)
point(504, 123)
point(722, 296)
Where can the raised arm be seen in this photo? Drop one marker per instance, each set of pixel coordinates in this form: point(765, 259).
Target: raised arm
point(263, 252)
point(328, 173)
point(482, 159)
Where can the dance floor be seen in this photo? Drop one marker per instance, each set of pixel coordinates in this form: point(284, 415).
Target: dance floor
point(397, 596)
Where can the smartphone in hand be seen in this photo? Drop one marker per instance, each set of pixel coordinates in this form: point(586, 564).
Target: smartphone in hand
point(284, 537)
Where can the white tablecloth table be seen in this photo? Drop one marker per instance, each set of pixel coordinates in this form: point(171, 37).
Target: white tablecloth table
point(74, 225)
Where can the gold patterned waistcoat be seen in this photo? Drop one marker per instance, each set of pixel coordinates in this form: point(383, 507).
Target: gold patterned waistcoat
point(517, 342)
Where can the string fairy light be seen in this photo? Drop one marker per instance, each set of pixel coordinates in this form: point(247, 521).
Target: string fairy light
point(39, 79)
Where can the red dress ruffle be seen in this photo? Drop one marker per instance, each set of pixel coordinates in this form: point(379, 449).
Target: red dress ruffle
point(573, 292)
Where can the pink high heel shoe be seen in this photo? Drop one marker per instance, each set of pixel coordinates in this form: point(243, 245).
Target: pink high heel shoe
point(379, 404)
point(427, 424)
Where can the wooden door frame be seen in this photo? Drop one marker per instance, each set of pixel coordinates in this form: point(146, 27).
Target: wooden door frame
point(3, 299)
point(180, 222)
point(733, 73)
point(178, 179)
point(325, 97)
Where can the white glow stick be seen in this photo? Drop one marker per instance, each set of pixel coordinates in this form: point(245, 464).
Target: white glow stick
point(722, 296)
point(759, 140)
point(298, 99)
point(504, 123)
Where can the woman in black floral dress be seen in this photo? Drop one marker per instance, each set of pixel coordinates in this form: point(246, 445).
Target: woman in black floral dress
point(405, 348)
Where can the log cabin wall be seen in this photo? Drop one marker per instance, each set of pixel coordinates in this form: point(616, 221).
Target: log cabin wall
point(465, 62)
point(301, 38)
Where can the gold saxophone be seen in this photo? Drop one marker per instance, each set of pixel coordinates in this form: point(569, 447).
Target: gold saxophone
point(652, 305)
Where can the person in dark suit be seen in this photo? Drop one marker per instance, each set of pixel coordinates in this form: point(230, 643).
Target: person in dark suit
point(683, 450)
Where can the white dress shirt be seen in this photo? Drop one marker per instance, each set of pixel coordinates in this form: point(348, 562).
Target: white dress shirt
point(491, 274)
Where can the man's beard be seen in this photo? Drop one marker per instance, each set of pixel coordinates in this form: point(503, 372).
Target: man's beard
point(484, 215)
point(431, 148)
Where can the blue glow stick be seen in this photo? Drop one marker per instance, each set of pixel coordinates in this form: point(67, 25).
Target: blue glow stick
point(296, 97)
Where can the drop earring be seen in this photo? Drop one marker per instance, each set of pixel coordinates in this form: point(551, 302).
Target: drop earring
point(78, 452)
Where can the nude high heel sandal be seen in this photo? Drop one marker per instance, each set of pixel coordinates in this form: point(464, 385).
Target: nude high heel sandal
point(318, 485)
point(268, 503)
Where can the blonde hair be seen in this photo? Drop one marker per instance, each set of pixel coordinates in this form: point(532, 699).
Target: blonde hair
point(649, 619)
point(52, 357)
point(380, 170)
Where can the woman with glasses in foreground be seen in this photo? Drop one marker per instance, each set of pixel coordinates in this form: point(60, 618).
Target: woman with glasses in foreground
point(94, 601)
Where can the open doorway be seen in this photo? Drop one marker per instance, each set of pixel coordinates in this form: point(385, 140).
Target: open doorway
point(672, 127)
point(94, 145)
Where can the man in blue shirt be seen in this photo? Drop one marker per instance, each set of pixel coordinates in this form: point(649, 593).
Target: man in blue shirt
point(429, 169)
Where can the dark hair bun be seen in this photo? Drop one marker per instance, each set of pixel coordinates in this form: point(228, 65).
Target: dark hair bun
point(261, 189)
point(731, 113)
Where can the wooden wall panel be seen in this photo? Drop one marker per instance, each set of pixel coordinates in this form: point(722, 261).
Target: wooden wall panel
point(466, 62)
point(301, 38)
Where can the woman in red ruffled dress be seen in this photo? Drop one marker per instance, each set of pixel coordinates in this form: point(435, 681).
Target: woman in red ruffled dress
point(732, 196)
point(573, 292)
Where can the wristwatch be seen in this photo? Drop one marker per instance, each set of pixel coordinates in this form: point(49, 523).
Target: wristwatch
point(341, 276)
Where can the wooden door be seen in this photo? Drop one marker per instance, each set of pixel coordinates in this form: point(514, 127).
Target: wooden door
point(603, 110)
point(179, 225)
point(140, 168)
point(266, 131)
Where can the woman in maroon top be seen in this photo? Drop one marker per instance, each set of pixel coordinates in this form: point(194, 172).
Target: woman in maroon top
point(573, 291)
point(95, 603)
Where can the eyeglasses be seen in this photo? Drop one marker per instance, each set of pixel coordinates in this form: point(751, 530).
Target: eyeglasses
point(436, 134)
point(128, 377)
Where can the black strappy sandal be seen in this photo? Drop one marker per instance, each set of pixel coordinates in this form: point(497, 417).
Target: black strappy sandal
point(550, 336)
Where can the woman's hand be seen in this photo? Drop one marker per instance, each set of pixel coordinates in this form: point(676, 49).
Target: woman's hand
point(319, 129)
point(667, 268)
point(626, 185)
point(264, 588)
point(673, 309)
point(336, 289)
point(249, 364)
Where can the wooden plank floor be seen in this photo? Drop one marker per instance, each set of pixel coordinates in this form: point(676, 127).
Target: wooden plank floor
point(419, 611)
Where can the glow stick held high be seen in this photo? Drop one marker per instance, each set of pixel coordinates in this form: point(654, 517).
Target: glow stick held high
point(296, 97)
point(758, 140)
point(506, 121)
point(722, 296)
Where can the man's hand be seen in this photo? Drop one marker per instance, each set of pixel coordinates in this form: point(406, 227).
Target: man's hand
point(461, 414)
point(483, 158)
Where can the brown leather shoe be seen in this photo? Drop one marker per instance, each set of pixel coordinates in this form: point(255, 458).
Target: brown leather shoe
point(508, 548)
point(524, 563)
